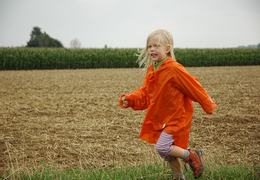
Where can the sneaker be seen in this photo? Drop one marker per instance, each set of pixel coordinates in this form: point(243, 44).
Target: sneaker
point(195, 162)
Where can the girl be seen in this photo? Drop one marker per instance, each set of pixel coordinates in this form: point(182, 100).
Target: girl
point(167, 94)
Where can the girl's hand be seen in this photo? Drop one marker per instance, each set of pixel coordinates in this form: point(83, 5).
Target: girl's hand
point(123, 102)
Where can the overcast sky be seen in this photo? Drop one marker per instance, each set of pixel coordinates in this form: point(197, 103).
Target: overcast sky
point(126, 23)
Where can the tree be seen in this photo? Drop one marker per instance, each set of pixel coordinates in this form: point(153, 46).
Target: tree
point(35, 35)
point(39, 39)
point(75, 43)
point(258, 45)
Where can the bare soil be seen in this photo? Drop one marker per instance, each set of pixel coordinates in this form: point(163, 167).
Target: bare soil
point(70, 118)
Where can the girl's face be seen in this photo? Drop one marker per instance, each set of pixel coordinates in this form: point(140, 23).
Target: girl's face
point(156, 49)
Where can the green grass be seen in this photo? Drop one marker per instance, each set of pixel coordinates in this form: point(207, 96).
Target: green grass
point(144, 172)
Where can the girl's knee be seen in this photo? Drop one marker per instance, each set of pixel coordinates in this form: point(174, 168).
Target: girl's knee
point(163, 149)
point(163, 145)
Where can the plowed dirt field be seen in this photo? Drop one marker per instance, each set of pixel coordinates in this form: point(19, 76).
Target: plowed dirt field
point(70, 118)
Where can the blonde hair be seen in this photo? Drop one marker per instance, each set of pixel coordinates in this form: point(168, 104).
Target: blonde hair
point(165, 38)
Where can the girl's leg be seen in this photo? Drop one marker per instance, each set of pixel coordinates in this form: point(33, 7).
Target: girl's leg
point(192, 157)
point(179, 152)
point(164, 148)
point(176, 167)
point(167, 150)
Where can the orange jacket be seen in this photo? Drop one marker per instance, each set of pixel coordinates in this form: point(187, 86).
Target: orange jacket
point(167, 94)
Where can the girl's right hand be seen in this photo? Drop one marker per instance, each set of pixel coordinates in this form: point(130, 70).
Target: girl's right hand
point(122, 101)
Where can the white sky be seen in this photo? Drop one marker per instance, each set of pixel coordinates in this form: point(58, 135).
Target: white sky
point(126, 23)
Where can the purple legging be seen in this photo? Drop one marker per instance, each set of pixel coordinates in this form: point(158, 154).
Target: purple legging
point(164, 146)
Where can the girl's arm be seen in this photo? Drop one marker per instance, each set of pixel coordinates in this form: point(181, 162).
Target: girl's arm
point(189, 86)
point(137, 99)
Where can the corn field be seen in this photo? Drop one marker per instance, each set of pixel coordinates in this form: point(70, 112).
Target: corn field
point(62, 58)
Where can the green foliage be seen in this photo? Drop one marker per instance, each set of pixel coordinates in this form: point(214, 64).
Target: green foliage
point(39, 39)
point(218, 57)
point(62, 58)
point(146, 172)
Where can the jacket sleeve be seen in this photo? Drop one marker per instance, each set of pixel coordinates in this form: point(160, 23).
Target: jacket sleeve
point(138, 99)
point(190, 87)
